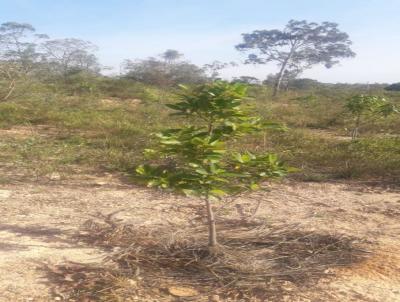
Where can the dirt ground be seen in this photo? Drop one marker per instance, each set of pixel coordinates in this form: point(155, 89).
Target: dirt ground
point(39, 220)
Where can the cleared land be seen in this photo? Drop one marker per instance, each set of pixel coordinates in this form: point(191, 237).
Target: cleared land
point(40, 223)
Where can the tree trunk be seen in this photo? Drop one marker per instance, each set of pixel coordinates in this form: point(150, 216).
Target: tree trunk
point(10, 91)
point(354, 134)
point(212, 231)
point(278, 82)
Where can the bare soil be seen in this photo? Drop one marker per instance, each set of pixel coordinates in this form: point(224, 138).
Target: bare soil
point(39, 221)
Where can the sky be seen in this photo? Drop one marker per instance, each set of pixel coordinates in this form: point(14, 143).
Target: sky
point(208, 30)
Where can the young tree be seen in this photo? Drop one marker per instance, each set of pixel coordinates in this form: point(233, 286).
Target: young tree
point(194, 159)
point(300, 45)
point(363, 108)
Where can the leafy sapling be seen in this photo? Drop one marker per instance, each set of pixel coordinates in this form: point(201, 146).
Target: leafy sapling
point(364, 108)
point(194, 160)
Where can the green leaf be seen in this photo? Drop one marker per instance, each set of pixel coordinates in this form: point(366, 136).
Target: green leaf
point(218, 192)
point(201, 171)
point(189, 192)
point(238, 157)
point(198, 141)
point(183, 87)
point(140, 170)
point(246, 158)
point(171, 142)
point(254, 186)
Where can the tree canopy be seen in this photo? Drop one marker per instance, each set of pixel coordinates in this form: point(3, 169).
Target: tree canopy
point(300, 45)
point(70, 55)
point(19, 55)
point(169, 71)
point(393, 87)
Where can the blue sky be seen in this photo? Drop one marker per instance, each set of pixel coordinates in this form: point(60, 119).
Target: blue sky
point(207, 30)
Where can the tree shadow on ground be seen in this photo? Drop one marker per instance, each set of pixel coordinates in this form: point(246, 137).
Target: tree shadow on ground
point(6, 247)
point(42, 233)
point(253, 261)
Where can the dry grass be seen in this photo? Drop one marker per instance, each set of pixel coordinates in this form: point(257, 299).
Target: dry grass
point(252, 263)
point(47, 134)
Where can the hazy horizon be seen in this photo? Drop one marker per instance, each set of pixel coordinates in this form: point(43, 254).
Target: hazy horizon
point(205, 31)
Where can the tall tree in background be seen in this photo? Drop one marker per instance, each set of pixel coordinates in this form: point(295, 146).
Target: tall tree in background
point(167, 72)
point(300, 45)
point(18, 55)
point(71, 55)
point(171, 55)
point(213, 69)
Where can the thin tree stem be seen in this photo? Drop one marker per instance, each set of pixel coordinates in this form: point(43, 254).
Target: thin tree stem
point(354, 135)
point(10, 90)
point(212, 231)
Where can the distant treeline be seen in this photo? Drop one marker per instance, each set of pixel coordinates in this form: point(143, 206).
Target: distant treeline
point(30, 61)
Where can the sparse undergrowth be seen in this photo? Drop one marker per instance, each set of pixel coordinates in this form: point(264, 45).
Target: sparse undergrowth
point(335, 158)
point(101, 132)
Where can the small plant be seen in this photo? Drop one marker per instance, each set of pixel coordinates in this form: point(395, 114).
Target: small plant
point(195, 160)
point(363, 108)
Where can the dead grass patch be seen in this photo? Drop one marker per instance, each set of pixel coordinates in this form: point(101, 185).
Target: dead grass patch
point(254, 262)
point(382, 265)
